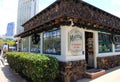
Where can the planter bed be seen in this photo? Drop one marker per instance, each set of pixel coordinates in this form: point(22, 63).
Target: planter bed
point(94, 73)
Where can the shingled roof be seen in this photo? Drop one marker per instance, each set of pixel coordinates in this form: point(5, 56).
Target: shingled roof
point(82, 14)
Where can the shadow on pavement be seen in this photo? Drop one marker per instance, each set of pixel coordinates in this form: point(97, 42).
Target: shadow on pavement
point(11, 75)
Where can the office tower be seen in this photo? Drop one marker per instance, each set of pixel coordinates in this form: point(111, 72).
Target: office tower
point(10, 29)
point(26, 10)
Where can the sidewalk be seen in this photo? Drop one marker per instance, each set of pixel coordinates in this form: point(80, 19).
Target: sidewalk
point(112, 75)
point(7, 75)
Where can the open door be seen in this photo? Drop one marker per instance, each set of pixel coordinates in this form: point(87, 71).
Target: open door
point(89, 55)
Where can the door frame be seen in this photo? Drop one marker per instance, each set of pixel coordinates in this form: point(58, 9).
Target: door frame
point(95, 35)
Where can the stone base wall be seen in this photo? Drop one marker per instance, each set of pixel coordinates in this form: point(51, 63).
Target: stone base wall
point(71, 71)
point(108, 62)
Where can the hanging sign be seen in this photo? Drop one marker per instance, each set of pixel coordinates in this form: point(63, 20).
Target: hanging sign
point(75, 41)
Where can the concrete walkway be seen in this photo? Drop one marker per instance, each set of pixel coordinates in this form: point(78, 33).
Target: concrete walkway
point(7, 75)
point(112, 75)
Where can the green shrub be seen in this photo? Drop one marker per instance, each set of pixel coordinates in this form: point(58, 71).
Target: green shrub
point(37, 67)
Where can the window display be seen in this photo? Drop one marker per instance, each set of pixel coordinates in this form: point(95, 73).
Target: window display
point(116, 41)
point(117, 47)
point(25, 44)
point(52, 42)
point(35, 43)
point(105, 43)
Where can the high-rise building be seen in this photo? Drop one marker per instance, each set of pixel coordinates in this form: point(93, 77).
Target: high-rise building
point(10, 29)
point(26, 10)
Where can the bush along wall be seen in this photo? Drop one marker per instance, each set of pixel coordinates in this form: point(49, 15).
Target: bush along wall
point(37, 67)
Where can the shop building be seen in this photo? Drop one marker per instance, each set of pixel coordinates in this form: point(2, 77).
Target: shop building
point(78, 34)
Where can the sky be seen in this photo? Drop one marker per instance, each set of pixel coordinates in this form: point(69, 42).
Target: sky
point(8, 9)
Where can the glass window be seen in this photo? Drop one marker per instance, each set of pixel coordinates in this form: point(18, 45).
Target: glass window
point(117, 47)
point(52, 42)
point(35, 47)
point(25, 44)
point(105, 43)
point(116, 41)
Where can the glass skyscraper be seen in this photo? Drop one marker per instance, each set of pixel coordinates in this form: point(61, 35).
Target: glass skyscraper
point(10, 29)
point(26, 10)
